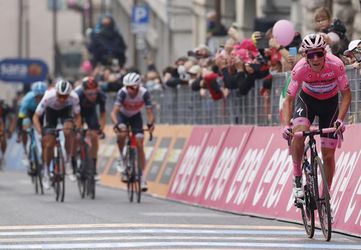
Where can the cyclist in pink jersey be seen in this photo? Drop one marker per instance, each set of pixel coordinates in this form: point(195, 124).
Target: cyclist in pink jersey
point(321, 77)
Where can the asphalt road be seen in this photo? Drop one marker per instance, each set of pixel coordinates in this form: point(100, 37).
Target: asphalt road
point(29, 221)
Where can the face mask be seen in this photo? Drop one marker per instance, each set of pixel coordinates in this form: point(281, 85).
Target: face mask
point(152, 85)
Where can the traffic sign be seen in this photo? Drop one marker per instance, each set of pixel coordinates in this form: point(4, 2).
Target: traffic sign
point(23, 70)
point(140, 18)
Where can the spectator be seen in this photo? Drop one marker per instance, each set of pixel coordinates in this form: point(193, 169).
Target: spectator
point(277, 52)
point(195, 73)
point(236, 70)
point(216, 31)
point(153, 83)
point(214, 26)
point(214, 84)
point(333, 31)
point(106, 43)
point(353, 53)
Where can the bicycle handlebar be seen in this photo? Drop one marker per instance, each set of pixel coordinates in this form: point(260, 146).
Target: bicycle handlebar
point(52, 130)
point(319, 132)
point(314, 132)
point(125, 130)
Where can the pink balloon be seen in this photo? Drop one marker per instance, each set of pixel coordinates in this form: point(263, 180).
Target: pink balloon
point(284, 32)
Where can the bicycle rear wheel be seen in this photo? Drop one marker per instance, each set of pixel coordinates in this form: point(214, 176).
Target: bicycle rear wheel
point(323, 203)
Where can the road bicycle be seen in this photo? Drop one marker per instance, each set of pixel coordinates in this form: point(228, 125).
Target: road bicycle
point(314, 181)
point(86, 171)
point(133, 168)
point(35, 162)
point(57, 165)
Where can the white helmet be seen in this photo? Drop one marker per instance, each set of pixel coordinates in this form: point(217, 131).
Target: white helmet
point(131, 79)
point(63, 87)
point(313, 41)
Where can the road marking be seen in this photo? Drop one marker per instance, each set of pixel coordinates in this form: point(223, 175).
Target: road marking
point(151, 236)
point(147, 238)
point(162, 230)
point(127, 225)
point(178, 244)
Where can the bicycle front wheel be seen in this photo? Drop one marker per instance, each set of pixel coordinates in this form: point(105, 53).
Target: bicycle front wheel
point(59, 177)
point(323, 203)
point(133, 185)
point(90, 178)
point(308, 213)
point(38, 178)
point(81, 176)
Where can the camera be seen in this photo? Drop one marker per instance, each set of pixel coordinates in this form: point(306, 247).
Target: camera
point(262, 43)
point(357, 56)
point(191, 53)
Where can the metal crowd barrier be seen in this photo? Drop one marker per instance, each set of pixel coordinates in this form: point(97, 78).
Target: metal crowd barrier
point(182, 105)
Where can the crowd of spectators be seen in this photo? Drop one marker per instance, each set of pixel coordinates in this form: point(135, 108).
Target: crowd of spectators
point(233, 67)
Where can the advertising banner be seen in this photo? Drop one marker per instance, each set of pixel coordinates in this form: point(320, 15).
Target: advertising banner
point(189, 161)
point(23, 70)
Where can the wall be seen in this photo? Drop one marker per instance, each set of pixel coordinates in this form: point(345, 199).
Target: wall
point(40, 19)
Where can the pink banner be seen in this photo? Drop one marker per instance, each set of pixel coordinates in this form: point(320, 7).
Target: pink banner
point(249, 170)
point(346, 186)
point(188, 162)
point(262, 182)
point(223, 168)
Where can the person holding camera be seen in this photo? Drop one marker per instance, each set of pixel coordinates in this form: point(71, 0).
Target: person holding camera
point(353, 53)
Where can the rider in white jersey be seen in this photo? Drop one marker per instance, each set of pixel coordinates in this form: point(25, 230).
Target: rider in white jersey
point(128, 104)
point(61, 103)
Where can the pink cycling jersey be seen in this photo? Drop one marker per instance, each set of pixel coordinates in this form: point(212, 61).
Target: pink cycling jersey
point(320, 85)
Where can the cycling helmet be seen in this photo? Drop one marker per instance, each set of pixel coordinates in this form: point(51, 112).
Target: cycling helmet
point(313, 41)
point(131, 79)
point(89, 83)
point(39, 88)
point(63, 87)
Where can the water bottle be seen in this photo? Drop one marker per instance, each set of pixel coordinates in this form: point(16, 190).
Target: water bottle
point(51, 167)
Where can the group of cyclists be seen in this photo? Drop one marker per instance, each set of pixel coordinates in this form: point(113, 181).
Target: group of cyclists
point(46, 107)
point(319, 74)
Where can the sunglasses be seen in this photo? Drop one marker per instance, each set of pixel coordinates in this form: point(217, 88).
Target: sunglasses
point(64, 97)
point(91, 93)
point(311, 55)
point(132, 87)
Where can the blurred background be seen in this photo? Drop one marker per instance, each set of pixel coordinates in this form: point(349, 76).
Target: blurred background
point(58, 31)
